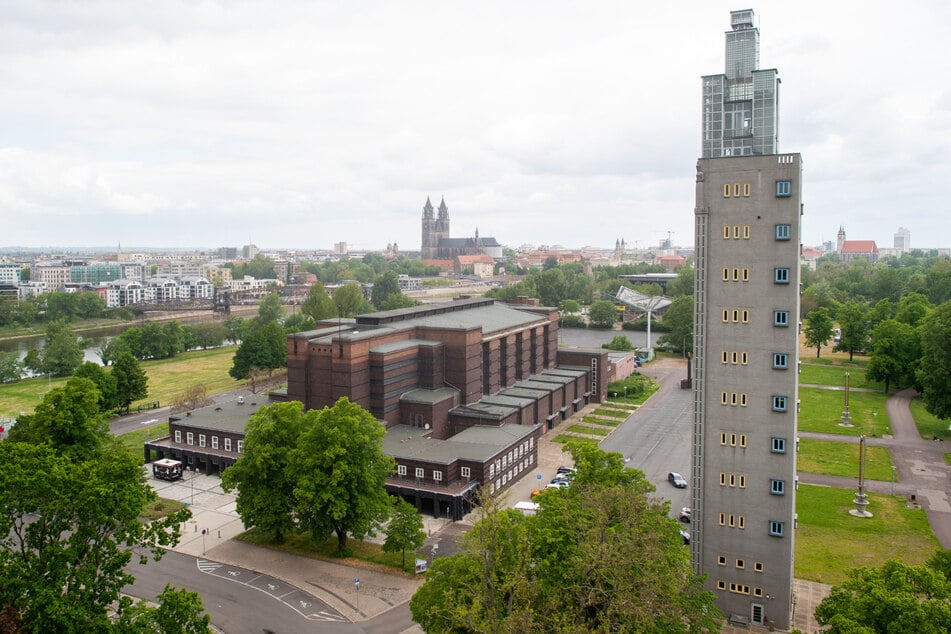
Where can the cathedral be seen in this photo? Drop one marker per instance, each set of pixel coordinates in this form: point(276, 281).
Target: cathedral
point(437, 245)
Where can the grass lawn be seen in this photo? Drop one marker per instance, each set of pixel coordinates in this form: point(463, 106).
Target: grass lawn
point(168, 379)
point(828, 457)
point(829, 541)
point(133, 441)
point(563, 438)
point(160, 508)
point(822, 412)
point(366, 555)
point(611, 412)
point(611, 422)
point(835, 375)
point(928, 424)
point(591, 431)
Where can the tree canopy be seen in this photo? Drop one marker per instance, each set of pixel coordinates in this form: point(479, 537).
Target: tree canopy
point(131, 380)
point(61, 354)
point(818, 330)
point(323, 471)
point(934, 373)
point(318, 304)
point(895, 598)
point(896, 351)
point(404, 531)
point(603, 314)
point(601, 556)
point(678, 319)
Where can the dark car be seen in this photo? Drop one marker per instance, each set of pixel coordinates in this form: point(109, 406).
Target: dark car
point(677, 480)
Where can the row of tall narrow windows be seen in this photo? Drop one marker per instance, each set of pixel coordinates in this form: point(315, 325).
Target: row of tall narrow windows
point(777, 444)
point(745, 190)
point(741, 564)
point(734, 357)
point(736, 232)
point(203, 441)
point(742, 316)
point(742, 274)
point(740, 588)
point(777, 528)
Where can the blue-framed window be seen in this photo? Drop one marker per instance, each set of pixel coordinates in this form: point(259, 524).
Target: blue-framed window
point(783, 189)
point(781, 275)
point(780, 360)
point(780, 317)
point(777, 528)
point(779, 403)
point(777, 487)
point(777, 444)
point(783, 232)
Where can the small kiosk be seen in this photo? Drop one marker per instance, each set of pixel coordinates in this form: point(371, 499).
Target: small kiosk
point(167, 469)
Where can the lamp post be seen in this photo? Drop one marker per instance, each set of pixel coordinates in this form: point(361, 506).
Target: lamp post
point(894, 477)
point(874, 418)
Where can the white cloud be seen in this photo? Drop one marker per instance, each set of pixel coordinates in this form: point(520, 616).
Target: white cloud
point(300, 124)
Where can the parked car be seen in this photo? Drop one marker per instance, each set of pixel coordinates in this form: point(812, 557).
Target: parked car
point(677, 480)
point(556, 485)
point(568, 471)
point(685, 536)
point(684, 515)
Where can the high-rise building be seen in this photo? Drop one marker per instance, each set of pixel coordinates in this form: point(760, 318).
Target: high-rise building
point(902, 240)
point(741, 106)
point(746, 324)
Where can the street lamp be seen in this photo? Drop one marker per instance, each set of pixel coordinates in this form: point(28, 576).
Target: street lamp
point(894, 477)
point(874, 418)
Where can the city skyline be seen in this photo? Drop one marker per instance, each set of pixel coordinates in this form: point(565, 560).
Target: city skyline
point(195, 125)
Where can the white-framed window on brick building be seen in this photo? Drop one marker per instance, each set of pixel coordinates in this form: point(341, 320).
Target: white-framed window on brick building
point(214, 442)
point(437, 475)
point(464, 472)
point(201, 440)
point(227, 444)
point(190, 438)
point(178, 435)
point(240, 446)
point(401, 469)
point(420, 472)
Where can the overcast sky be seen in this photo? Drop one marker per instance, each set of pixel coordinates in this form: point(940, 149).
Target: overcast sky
point(300, 124)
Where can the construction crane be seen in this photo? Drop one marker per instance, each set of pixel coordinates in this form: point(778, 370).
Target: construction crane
point(668, 243)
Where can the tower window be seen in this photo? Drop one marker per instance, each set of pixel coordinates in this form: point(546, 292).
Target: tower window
point(780, 360)
point(782, 232)
point(779, 403)
point(777, 445)
point(780, 317)
point(781, 275)
point(783, 189)
point(777, 528)
point(777, 487)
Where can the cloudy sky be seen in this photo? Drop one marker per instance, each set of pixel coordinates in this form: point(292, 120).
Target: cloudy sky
point(187, 123)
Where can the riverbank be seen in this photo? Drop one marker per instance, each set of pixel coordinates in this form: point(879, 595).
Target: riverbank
point(99, 327)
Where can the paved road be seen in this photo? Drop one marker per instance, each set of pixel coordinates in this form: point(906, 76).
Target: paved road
point(657, 438)
point(238, 600)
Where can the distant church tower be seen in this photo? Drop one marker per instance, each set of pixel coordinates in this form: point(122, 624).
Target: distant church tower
point(434, 229)
point(840, 239)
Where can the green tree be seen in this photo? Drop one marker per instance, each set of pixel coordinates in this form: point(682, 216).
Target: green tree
point(62, 353)
point(298, 322)
point(619, 343)
point(235, 326)
point(394, 302)
point(939, 282)
point(318, 304)
point(68, 419)
point(261, 475)
point(349, 299)
point(896, 351)
point(263, 348)
point(601, 556)
point(683, 284)
point(913, 308)
point(11, 369)
point(60, 306)
point(340, 470)
point(853, 322)
point(131, 380)
point(818, 330)
point(209, 334)
point(679, 320)
point(895, 598)
point(386, 286)
point(552, 287)
point(105, 382)
point(404, 531)
point(178, 612)
point(68, 531)
point(270, 310)
point(934, 373)
point(570, 306)
point(603, 314)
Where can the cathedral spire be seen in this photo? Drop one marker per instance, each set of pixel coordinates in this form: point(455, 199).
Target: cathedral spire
point(443, 209)
point(428, 209)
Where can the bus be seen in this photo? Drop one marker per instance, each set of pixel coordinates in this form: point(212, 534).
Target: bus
point(167, 469)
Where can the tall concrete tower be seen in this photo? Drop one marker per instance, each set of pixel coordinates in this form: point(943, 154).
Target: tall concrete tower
point(746, 323)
